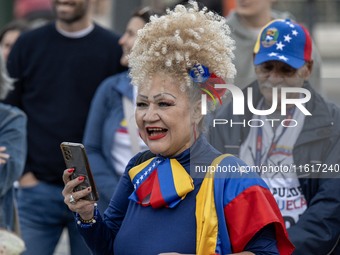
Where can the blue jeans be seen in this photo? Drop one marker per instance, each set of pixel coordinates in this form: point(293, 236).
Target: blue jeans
point(43, 216)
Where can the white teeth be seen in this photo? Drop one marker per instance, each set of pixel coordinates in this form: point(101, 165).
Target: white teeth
point(155, 129)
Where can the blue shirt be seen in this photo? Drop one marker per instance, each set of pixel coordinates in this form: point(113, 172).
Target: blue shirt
point(128, 228)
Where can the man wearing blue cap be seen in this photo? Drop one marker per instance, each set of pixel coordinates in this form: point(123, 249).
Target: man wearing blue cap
point(289, 134)
point(246, 21)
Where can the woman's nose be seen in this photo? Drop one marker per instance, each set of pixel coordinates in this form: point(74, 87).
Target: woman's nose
point(122, 39)
point(151, 114)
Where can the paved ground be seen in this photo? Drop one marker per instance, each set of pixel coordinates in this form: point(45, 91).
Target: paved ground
point(63, 246)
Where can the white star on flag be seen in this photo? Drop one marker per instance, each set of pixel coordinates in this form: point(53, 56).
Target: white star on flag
point(272, 54)
point(279, 46)
point(283, 58)
point(294, 32)
point(291, 25)
point(287, 38)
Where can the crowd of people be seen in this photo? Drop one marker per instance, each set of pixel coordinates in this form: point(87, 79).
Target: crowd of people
point(112, 113)
point(57, 68)
point(183, 161)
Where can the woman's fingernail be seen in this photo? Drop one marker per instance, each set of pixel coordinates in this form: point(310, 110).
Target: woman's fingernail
point(89, 188)
point(71, 170)
point(81, 178)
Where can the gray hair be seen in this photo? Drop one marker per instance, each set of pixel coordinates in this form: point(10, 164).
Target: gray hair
point(6, 83)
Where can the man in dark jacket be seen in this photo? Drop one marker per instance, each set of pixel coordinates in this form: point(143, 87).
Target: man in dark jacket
point(286, 132)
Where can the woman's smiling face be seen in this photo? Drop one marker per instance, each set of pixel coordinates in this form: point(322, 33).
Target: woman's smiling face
point(163, 116)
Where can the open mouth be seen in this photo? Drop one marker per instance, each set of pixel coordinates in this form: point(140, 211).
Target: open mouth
point(155, 133)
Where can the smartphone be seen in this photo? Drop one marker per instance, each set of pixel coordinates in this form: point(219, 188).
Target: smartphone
point(75, 157)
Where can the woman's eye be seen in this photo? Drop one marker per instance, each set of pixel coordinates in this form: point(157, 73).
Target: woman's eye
point(141, 104)
point(164, 104)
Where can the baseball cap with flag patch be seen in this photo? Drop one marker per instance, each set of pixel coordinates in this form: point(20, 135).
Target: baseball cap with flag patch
point(285, 41)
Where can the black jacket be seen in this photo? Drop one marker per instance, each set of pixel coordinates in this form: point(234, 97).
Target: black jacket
point(318, 229)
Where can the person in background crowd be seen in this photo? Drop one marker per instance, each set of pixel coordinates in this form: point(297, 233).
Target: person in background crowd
point(13, 152)
point(58, 68)
point(245, 23)
point(9, 34)
point(35, 12)
point(303, 142)
point(157, 203)
point(212, 5)
point(107, 138)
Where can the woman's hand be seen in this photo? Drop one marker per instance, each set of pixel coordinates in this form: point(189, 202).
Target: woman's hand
point(3, 156)
point(73, 200)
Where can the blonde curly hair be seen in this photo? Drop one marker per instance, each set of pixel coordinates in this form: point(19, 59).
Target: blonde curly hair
point(174, 43)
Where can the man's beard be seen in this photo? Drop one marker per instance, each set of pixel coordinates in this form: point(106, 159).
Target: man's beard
point(79, 12)
point(72, 19)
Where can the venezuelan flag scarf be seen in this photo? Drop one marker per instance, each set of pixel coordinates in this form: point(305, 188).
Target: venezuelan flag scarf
point(160, 182)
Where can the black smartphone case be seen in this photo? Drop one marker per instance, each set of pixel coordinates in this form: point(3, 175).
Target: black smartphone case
point(75, 157)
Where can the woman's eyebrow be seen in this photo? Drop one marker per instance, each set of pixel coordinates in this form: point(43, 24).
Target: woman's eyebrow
point(145, 97)
point(164, 93)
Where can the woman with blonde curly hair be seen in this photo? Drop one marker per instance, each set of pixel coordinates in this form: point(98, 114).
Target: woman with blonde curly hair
point(182, 196)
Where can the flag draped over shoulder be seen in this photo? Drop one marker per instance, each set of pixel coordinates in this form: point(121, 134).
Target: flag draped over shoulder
point(160, 182)
point(230, 211)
